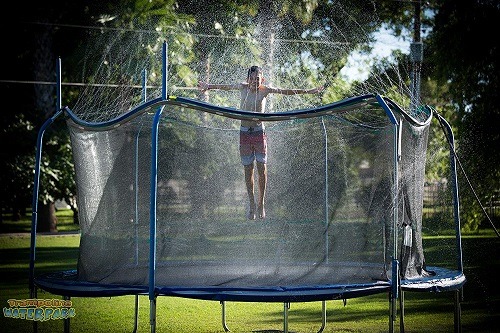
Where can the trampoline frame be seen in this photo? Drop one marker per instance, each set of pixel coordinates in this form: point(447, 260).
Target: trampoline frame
point(445, 279)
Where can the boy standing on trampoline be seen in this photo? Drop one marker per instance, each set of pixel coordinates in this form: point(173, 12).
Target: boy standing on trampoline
point(253, 141)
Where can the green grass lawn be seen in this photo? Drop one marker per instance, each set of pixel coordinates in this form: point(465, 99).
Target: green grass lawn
point(64, 223)
point(424, 312)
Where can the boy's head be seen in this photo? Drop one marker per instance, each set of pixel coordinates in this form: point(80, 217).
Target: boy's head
point(255, 77)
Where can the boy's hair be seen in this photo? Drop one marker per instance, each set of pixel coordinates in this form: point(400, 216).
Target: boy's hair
point(254, 69)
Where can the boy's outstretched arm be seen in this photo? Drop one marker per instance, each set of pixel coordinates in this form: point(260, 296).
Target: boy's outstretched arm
point(296, 91)
point(203, 86)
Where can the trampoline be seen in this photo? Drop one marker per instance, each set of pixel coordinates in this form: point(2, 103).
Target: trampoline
point(162, 206)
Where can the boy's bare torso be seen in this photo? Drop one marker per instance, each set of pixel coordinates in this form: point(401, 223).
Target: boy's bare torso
point(253, 100)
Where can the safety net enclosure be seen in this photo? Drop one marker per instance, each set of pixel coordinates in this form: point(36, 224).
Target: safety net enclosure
point(333, 208)
point(162, 204)
point(327, 222)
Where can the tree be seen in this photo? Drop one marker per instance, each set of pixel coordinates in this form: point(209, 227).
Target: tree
point(460, 75)
point(37, 40)
point(29, 104)
point(468, 62)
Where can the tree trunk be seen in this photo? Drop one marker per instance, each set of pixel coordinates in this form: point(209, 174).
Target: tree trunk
point(75, 215)
point(47, 219)
point(74, 208)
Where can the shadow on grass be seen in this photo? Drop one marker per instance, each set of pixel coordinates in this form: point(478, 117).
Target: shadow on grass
point(14, 265)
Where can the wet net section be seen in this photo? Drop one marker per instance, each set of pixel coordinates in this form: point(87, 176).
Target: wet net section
point(330, 200)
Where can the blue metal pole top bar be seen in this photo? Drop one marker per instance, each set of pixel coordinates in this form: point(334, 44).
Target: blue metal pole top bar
point(34, 204)
point(456, 197)
point(59, 85)
point(341, 106)
point(152, 207)
point(164, 71)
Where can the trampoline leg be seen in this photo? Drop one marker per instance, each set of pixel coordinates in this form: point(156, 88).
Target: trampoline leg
point(224, 325)
point(457, 316)
point(152, 315)
point(136, 317)
point(392, 318)
point(323, 316)
point(402, 312)
point(286, 306)
point(66, 320)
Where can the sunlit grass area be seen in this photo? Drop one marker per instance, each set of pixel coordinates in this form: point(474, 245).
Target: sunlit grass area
point(65, 222)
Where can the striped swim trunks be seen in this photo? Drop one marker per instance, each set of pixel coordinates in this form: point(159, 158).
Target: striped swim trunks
point(253, 145)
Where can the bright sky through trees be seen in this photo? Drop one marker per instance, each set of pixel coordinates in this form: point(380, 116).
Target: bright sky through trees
point(358, 65)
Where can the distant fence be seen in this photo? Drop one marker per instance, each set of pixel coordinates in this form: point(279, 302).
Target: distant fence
point(436, 200)
point(492, 205)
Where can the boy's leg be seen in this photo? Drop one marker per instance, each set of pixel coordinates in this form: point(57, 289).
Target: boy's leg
point(249, 181)
point(253, 147)
point(262, 170)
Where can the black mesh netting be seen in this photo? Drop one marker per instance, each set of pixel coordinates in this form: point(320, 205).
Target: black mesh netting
point(330, 201)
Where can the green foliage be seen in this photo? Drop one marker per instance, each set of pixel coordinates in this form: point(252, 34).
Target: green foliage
point(463, 86)
point(472, 81)
point(180, 23)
